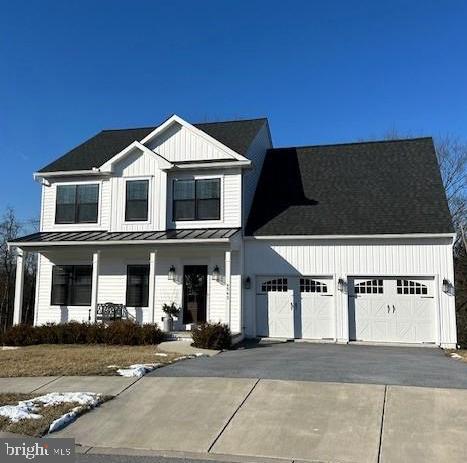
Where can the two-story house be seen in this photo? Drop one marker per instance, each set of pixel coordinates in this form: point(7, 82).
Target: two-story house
point(341, 243)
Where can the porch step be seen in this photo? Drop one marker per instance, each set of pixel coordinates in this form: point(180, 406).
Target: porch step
point(179, 336)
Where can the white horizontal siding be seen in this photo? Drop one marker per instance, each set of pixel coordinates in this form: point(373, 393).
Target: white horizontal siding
point(231, 199)
point(256, 153)
point(178, 144)
point(49, 194)
point(344, 258)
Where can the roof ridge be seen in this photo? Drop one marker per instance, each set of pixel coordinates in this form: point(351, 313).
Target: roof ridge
point(129, 128)
point(231, 120)
point(354, 143)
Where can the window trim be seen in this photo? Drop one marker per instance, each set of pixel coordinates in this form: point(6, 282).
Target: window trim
point(68, 301)
point(196, 178)
point(81, 224)
point(136, 179)
point(128, 266)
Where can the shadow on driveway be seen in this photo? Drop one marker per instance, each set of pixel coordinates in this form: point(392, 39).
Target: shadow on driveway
point(406, 366)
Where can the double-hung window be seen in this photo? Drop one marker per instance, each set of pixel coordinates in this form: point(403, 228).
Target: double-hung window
point(198, 199)
point(137, 285)
point(136, 207)
point(77, 203)
point(71, 285)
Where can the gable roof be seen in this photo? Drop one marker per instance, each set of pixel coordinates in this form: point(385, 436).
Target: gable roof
point(384, 187)
point(237, 135)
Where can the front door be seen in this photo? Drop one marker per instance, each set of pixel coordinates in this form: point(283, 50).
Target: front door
point(194, 293)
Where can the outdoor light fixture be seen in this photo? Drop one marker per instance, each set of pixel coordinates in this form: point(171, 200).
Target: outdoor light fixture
point(171, 274)
point(340, 284)
point(446, 286)
point(247, 283)
point(216, 273)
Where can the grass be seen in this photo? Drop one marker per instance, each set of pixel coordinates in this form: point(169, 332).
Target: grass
point(34, 427)
point(75, 360)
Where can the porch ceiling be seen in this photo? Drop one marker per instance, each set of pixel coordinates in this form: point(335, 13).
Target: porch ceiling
point(143, 237)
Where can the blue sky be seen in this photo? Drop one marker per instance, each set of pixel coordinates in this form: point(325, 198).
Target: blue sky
point(322, 72)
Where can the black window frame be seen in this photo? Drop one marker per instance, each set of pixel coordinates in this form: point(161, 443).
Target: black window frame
point(196, 200)
point(127, 201)
point(76, 204)
point(143, 297)
point(70, 285)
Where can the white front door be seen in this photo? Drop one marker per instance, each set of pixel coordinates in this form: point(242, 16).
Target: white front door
point(315, 319)
point(274, 308)
point(392, 310)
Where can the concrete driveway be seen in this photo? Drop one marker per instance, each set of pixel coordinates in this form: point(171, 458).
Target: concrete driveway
point(248, 419)
point(404, 366)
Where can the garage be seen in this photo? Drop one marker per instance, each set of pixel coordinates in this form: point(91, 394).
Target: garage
point(398, 309)
point(300, 307)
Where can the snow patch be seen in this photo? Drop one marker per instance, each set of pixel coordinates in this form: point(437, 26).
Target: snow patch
point(27, 409)
point(138, 370)
point(455, 356)
point(161, 354)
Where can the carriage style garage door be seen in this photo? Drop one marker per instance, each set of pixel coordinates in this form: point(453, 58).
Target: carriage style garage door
point(392, 310)
point(295, 307)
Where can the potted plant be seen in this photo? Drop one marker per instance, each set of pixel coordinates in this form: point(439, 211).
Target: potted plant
point(171, 310)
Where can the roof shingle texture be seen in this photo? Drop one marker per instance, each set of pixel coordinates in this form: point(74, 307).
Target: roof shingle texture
point(388, 187)
point(237, 135)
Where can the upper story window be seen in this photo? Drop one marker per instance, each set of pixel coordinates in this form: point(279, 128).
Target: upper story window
point(136, 207)
point(77, 203)
point(198, 199)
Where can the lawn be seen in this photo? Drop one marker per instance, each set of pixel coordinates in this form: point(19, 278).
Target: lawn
point(37, 427)
point(75, 360)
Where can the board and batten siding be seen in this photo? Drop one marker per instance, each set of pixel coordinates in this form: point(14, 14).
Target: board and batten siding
point(179, 144)
point(347, 258)
point(49, 195)
point(256, 153)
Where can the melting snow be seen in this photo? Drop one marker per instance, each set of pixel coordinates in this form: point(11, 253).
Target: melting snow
point(27, 409)
point(456, 356)
point(138, 370)
point(161, 354)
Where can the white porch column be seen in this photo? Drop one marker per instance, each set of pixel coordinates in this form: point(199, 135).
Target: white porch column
point(19, 284)
point(95, 283)
point(152, 283)
point(228, 271)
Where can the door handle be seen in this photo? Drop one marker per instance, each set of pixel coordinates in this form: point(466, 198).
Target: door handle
point(389, 309)
point(292, 306)
point(393, 308)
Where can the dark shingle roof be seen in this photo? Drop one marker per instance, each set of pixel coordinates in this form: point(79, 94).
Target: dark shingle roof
point(237, 135)
point(386, 187)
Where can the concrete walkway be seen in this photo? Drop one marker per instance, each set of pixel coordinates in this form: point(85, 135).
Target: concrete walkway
point(293, 420)
point(108, 385)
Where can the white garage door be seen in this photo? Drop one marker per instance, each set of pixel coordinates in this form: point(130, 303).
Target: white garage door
point(392, 310)
point(295, 307)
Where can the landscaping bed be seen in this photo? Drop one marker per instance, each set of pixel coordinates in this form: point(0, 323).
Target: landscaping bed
point(77, 360)
point(35, 415)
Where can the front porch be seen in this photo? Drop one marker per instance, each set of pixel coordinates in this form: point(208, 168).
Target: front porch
point(202, 277)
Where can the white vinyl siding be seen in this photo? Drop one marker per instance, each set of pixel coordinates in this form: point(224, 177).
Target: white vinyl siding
point(353, 258)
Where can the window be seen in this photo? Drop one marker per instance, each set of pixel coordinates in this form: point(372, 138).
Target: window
point(136, 207)
point(197, 199)
point(369, 287)
point(77, 203)
point(137, 285)
point(71, 285)
point(307, 285)
point(278, 285)
point(411, 287)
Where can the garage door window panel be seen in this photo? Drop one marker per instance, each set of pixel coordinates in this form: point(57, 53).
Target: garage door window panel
point(410, 287)
point(369, 287)
point(307, 285)
point(274, 286)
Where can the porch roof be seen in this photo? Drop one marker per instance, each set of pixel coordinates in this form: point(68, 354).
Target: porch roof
point(140, 237)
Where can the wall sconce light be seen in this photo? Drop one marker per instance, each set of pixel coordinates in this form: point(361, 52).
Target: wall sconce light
point(446, 286)
point(340, 284)
point(247, 283)
point(171, 275)
point(216, 273)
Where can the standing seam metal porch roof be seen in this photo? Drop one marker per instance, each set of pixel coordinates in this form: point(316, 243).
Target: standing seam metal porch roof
point(115, 237)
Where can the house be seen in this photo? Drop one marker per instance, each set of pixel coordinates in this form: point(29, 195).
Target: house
point(348, 242)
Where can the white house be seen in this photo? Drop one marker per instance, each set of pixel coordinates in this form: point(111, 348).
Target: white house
point(341, 243)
